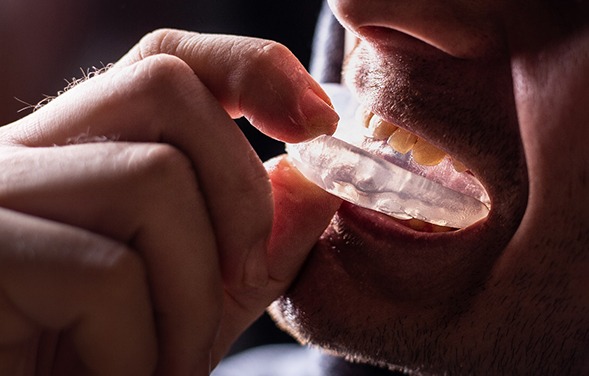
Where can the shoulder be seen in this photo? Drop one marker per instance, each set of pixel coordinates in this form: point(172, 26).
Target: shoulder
point(272, 360)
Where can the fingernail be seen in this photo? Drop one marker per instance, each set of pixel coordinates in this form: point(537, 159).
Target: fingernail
point(320, 116)
point(256, 269)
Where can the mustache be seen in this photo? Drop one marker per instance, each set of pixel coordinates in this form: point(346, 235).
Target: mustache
point(464, 107)
point(419, 92)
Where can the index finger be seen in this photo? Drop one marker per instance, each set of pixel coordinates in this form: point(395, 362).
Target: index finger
point(256, 78)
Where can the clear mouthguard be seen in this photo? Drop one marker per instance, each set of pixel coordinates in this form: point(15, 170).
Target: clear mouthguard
point(396, 186)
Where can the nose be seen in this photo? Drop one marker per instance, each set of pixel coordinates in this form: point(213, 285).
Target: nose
point(464, 29)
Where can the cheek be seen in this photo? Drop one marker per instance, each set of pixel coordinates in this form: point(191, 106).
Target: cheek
point(551, 96)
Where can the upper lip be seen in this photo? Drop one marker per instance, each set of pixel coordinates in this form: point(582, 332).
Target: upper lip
point(460, 106)
point(464, 33)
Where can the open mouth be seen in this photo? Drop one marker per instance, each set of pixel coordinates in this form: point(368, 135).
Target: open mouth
point(377, 165)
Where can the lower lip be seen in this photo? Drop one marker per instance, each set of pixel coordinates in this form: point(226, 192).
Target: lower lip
point(403, 264)
point(383, 227)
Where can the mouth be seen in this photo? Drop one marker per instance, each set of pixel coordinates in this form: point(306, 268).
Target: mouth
point(374, 164)
point(408, 276)
point(454, 121)
point(447, 119)
point(401, 147)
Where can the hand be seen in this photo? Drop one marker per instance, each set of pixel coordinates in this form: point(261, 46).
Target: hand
point(158, 248)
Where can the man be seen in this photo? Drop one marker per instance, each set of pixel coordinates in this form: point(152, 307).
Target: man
point(169, 217)
point(493, 298)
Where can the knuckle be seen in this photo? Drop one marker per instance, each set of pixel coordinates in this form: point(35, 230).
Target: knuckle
point(161, 75)
point(155, 90)
point(269, 54)
point(165, 170)
point(161, 85)
point(165, 162)
point(157, 42)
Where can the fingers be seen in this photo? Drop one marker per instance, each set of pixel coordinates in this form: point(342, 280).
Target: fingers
point(56, 277)
point(154, 97)
point(259, 79)
point(302, 212)
point(256, 78)
point(159, 99)
point(144, 195)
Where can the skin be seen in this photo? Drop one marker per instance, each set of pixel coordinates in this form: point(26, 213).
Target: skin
point(501, 87)
point(107, 270)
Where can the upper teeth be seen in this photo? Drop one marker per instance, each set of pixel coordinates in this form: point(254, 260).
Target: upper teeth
point(404, 141)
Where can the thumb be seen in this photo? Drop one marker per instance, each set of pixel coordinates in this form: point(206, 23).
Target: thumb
point(302, 212)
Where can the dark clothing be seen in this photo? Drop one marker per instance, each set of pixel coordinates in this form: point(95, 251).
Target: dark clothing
point(293, 360)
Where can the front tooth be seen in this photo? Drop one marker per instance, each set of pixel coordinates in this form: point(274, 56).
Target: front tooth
point(381, 130)
point(402, 141)
point(426, 154)
point(458, 166)
point(416, 224)
point(363, 116)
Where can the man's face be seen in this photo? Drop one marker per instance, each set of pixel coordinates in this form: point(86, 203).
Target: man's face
point(501, 87)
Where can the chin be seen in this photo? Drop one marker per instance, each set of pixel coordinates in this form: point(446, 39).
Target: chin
point(403, 295)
